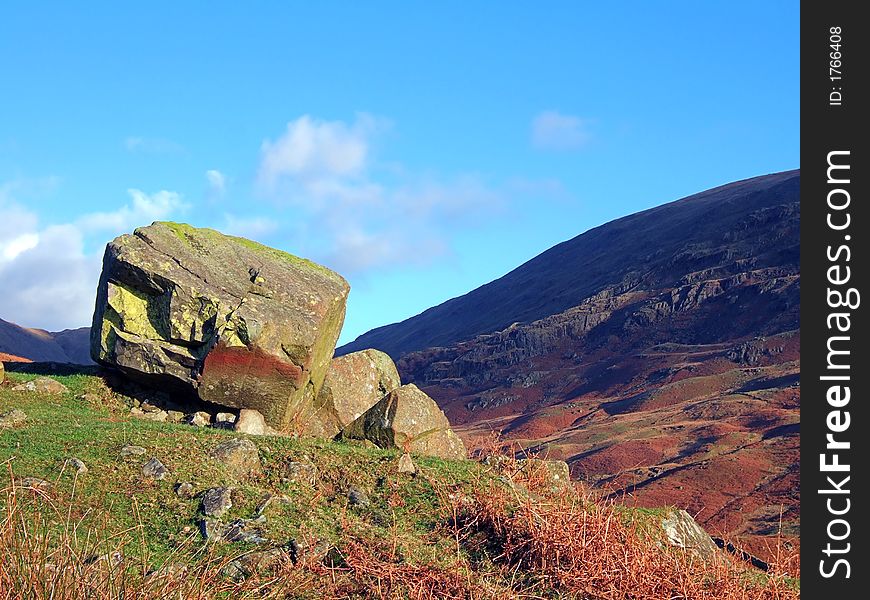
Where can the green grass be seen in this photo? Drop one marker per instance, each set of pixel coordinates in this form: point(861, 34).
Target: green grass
point(92, 423)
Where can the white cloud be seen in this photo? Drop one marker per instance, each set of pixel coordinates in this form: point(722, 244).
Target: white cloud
point(312, 149)
point(356, 213)
point(48, 278)
point(143, 209)
point(152, 145)
point(217, 185)
point(551, 130)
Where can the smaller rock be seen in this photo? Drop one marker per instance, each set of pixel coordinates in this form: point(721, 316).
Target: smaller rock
point(154, 469)
point(683, 531)
point(250, 421)
point(217, 501)
point(301, 472)
point(357, 497)
point(406, 465)
point(11, 418)
point(159, 416)
point(174, 416)
point(248, 531)
point(77, 464)
point(185, 490)
point(239, 456)
point(224, 420)
point(2, 372)
point(211, 529)
point(130, 450)
point(198, 419)
point(249, 564)
point(41, 385)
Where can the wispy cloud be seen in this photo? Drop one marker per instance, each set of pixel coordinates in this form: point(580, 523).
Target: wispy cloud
point(47, 276)
point(217, 185)
point(141, 210)
point(366, 217)
point(311, 149)
point(552, 130)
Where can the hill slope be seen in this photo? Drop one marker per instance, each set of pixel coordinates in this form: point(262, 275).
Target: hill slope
point(67, 346)
point(656, 247)
point(658, 354)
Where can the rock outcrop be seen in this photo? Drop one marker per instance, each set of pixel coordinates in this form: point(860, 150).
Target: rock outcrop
point(354, 383)
point(410, 420)
point(241, 324)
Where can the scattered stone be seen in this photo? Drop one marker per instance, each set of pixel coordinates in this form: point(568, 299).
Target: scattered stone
point(406, 465)
point(211, 529)
point(174, 416)
point(170, 571)
point(301, 472)
point(198, 419)
point(158, 416)
point(250, 421)
point(683, 531)
point(248, 531)
point(185, 490)
point(217, 501)
point(354, 383)
point(77, 464)
point(408, 419)
point(35, 483)
point(130, 450)
point(224, 420)
point(240, 324)
point(252, 563)
point(239, 456)
point(12, 417)
point(154, 469)
point(41, 385)
point(357, 497)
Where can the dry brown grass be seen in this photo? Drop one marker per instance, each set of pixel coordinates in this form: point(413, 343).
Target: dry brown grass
point(517, 541)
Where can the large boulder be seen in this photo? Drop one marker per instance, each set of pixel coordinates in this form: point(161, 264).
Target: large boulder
point(408, 419)
point(241, 324)
point(354, 383)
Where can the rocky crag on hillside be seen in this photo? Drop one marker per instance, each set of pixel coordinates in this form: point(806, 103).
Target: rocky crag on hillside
point(198, 314)
point(658, 354)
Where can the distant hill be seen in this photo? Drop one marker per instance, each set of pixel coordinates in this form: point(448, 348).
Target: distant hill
point(658, 354)
point(653, 248)
point(67, 346)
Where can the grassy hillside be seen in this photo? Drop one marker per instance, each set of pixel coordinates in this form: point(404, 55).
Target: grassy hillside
point(352, 526)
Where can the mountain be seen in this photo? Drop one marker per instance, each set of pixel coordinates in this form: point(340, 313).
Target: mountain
point(67, 346)
point(658, 354)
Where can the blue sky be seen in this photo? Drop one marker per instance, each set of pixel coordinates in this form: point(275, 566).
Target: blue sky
point(420, 149)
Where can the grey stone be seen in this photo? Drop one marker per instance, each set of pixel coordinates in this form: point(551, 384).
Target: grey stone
point(11, 418)
point(154, 469)
point(217, 501)
point(239, 456)
point(131, 450)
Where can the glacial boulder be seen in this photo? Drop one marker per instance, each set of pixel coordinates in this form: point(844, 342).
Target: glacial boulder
point(354, 383)
point(408, 419)
point(241, 324)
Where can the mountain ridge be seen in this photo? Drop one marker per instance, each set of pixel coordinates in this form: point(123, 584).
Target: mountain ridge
point(537, 288)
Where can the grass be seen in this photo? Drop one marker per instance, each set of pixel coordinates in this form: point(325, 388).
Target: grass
point(458, 529)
